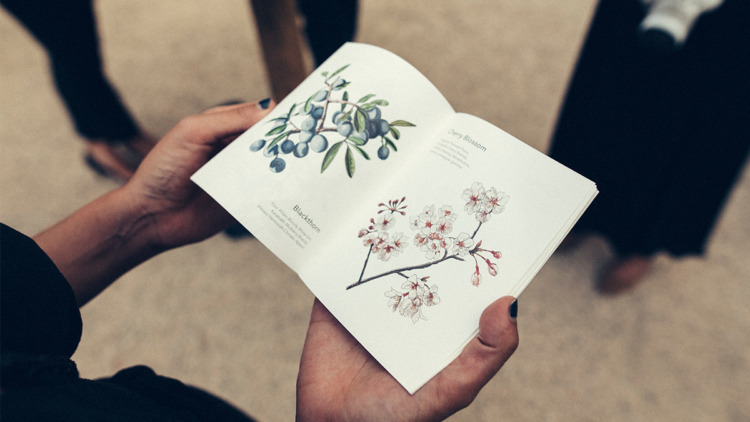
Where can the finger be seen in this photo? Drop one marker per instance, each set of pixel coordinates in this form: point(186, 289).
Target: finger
point(266, 104)
point(222, 122)
point(321, 314)
point(483, 357)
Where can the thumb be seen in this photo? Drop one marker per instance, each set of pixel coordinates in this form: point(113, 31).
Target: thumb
point(483, 356)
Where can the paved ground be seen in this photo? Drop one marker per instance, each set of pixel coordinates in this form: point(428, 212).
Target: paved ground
point(228, 316)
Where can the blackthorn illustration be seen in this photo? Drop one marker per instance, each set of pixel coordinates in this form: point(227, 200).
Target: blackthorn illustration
point(328, 122)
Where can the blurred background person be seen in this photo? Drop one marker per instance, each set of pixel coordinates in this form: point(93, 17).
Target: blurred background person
point(660, 126)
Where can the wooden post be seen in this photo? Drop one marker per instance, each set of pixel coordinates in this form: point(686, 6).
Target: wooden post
point(280, 41)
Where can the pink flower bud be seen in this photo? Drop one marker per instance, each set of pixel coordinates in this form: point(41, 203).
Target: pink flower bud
point(497, 255)
point(363, 233)
point(491, 268)
point(476, 278)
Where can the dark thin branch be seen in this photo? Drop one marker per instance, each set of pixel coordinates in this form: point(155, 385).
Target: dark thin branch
point(400, 270)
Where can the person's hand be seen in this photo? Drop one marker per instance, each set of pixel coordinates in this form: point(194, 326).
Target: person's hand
point(178, 210)
point(340, 381)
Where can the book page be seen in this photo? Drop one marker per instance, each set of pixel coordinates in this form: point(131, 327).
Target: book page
point(472, 220)
point(295, 176)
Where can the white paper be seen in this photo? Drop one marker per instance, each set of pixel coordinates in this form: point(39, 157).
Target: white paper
point(319, 222)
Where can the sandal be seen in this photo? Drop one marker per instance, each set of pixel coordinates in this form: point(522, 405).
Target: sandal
point(117, 160)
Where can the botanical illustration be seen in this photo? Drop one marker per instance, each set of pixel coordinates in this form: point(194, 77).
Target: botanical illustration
point(329, 122)
point(434, 236)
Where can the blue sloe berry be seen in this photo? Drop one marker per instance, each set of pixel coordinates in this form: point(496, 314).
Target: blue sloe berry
point(257, 145)
point(339, 83)
point(309, 123)
point(287, 146)
point(319, 143)
point(305, 136)
point(383, 152)
point(374, 113)
point(383, 127)
point(317, 112)
point(321, 95)
point(277, 165)
point(344, 129)
point(337, 117)
point(301, 149)
point(272, 151)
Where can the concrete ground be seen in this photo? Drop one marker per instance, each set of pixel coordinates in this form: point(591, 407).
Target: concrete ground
point(228, 316)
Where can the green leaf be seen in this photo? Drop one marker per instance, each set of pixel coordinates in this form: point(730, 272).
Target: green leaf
point(328, 159)
point(360, 121)
point(308, 105)
point(395, 133)
point(345, 97)
point(365, 98)
point(277, 129)
point(337, 72)
point(368, 106)
point(291, 110)
point(279, 119)
point(382, 103)
point(349, 161)
point(390, 144)
point(356, 141)
point(402, 123)
point(325, 74)
point(277, 139)
point(361, 151)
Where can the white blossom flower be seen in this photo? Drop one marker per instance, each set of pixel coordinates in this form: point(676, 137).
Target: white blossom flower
point(384, 222)
point(462, 244)
point(393, 248)
point(428, 223)
point(434, 248)
point(483, 215)
point(414, 222)
point(430, 297)
point(495, 201)
point(473, 197)
point(412, 308)
point(444, 226)
point(447, 212)
point(420, 240)
point(395, 298)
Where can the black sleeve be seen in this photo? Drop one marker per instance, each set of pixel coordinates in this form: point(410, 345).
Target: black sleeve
point(38, 311)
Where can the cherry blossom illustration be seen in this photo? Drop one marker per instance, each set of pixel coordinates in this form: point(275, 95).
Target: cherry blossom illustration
point(433, 235)
point(328, 122)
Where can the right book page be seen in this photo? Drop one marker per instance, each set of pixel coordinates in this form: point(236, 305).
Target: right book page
point(471, 219)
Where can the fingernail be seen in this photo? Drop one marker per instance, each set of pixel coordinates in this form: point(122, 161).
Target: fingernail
point(264, 103)
point(514, 310)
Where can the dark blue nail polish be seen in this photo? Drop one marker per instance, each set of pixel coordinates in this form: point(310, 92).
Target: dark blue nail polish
point(264, 103)
point(514, 310)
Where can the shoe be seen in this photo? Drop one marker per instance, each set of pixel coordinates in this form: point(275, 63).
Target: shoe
point(623, 275)
point(237, 231)
point(572, 241)
point(118, 160)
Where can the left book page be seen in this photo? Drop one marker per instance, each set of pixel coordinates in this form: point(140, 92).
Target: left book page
point(292, 179)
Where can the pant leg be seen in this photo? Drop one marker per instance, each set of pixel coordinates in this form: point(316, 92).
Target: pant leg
point(329, 24)
point(67, 30)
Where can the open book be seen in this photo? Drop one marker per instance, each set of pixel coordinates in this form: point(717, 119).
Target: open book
point(405, 218)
